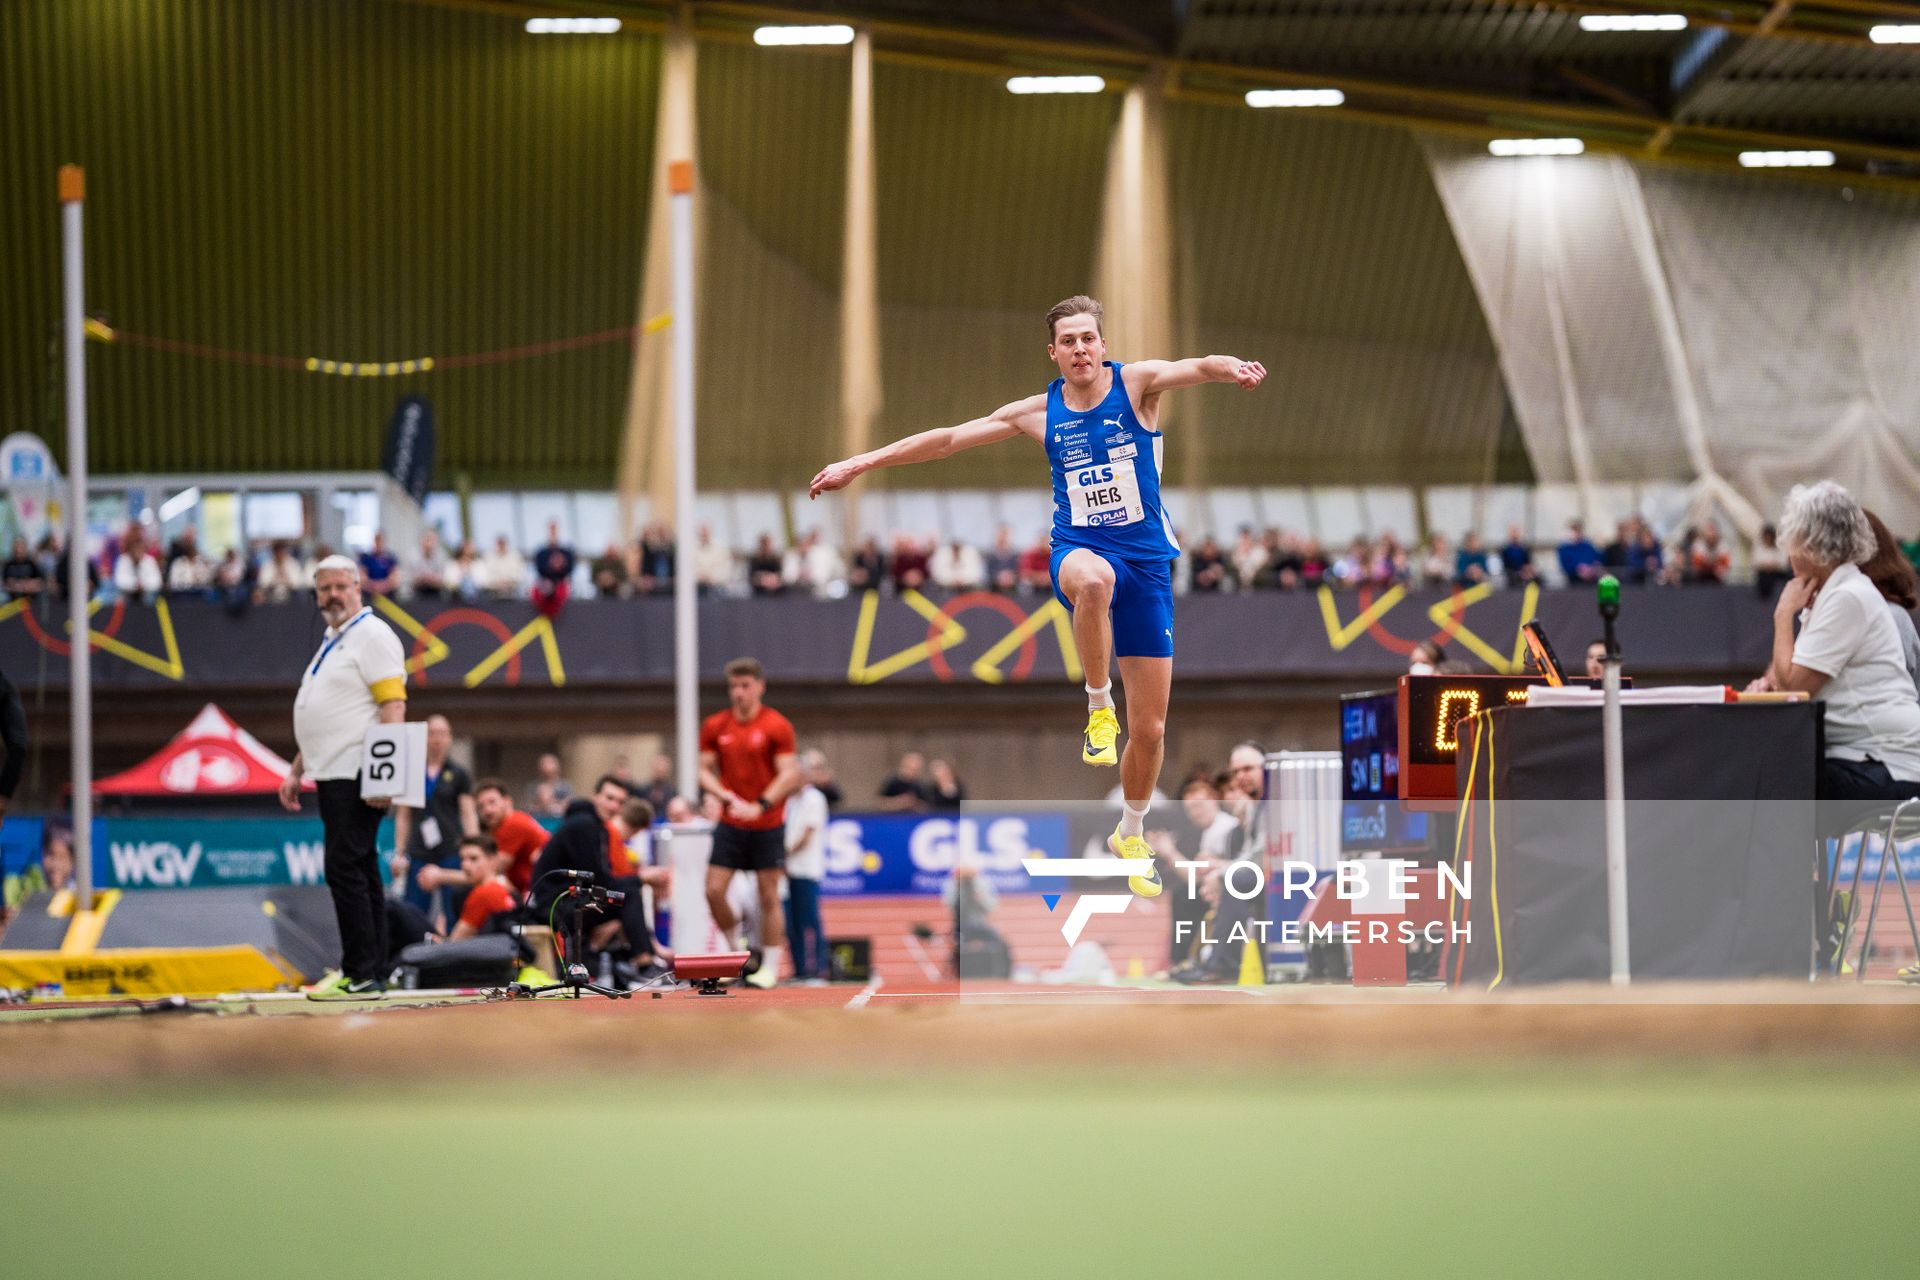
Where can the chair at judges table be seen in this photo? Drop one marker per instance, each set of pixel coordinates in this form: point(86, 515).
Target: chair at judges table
point(1893, 824)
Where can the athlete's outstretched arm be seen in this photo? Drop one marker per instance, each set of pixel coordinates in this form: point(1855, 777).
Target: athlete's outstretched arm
point(1151, 377)
point(1004, 423)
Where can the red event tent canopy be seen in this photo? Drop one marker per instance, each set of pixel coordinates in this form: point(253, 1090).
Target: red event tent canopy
point(213, 756)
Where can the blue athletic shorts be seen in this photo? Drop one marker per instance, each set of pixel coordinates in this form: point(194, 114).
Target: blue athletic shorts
point(1142, 603)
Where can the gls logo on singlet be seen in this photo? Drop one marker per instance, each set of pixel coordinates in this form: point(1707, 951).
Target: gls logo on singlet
point(1104, 495)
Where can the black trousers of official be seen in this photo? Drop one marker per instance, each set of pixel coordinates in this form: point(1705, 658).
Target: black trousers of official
point(353, 877)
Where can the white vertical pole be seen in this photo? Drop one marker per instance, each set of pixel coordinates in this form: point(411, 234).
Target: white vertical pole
point(686, 623)
point(73, 196)
point(1612, 750)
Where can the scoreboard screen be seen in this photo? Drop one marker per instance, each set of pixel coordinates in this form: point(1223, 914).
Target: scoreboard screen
point(1431, 709)
point(1370, 746)
point(1372, 817)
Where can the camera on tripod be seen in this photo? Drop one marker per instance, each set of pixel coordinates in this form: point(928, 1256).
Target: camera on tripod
point(580, 896)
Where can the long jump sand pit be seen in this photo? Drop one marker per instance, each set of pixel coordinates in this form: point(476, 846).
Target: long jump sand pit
point(922, 1029)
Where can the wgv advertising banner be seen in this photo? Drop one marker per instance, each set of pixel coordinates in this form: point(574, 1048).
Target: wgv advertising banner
point(203, 853)
point(901, 854)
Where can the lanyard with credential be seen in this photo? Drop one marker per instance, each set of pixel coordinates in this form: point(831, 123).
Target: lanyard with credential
point(327, 648)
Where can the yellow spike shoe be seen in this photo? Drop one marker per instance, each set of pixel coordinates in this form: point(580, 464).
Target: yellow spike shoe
point(1148, 885)
point(1103, 732)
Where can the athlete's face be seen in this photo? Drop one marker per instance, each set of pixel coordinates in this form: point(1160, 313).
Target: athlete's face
point(744, 692)
point(1078, 349)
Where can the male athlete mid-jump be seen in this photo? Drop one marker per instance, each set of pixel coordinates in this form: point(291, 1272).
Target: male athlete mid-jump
point(1113, 545)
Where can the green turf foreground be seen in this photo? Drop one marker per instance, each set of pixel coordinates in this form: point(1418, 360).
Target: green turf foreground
point(1669, 1171)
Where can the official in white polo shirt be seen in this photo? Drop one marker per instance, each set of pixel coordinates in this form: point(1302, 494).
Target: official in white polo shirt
point(357, 679)
point(1847, 653)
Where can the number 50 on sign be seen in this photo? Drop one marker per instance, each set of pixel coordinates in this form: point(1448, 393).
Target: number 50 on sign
point(393, 764)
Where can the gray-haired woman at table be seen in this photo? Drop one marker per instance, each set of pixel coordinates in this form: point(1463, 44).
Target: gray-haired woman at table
point(1848, 651)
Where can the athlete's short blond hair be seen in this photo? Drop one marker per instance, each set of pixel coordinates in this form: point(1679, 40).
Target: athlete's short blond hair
point(1078, 305)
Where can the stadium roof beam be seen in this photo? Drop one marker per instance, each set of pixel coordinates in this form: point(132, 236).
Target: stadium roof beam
point(1442, 108)
point(1850, 30)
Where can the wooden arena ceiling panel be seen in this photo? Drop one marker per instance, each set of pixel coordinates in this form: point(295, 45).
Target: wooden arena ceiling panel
point(351, 180)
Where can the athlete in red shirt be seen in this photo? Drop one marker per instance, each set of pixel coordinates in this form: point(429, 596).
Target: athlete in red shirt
point(748, 762)
point(519, 837)
point(480, 858)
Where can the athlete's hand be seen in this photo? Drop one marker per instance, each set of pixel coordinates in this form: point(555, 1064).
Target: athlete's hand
point(835, 475)
point(1248, 374)
point(290, 792)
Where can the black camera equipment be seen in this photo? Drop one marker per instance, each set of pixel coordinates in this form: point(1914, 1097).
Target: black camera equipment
point(580, 896)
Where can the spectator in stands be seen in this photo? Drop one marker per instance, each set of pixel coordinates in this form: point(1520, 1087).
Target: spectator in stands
point(187, 545)
point(1579, 558)
point(378, 570)
point(1437, 561)
point(233, 582)
point(764, 568)
point(552, 573)
point(1596, 659)
point(136, 570)
point(1003, 563)
point(503, 571)
point(608, 572)
point(905, 791)
point(1248, 557)
point(1647, 564)
point(1613, 557)
point(868, 568)
point(548, 793)
point(1034, 573)
point(815, 566)
point(1209, 566)
point(489, 893)
point(806, 842)
point(427, 575)
point(1351, 569)
point(1708, 559)
point(1392, 562)
point(712, 564)
point(656, 558)
point(957, 566)
point(1426, 658)
point(1516, 558)
point(1848, 652)
point(1770, 570)
point(464, 574)
point(513, 831)
point(1470, 563)
point(943, 793)
point(910, 563)
point(1287, 562)
point(282, 576)
point(188, 573)
point(1314, 564)
point(20, 577)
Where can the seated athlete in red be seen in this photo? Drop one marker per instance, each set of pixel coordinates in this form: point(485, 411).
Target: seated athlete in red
point(518, 835)
point(491, 894)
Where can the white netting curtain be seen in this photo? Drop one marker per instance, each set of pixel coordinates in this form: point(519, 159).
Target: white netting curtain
point(1657, 325)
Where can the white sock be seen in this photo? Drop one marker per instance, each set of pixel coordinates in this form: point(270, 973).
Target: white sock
point(1132, 820)
point(1100, 697)
point(770, 959)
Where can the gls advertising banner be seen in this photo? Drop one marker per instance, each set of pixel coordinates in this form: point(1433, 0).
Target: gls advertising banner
point(890, 853)
point(201, 853)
